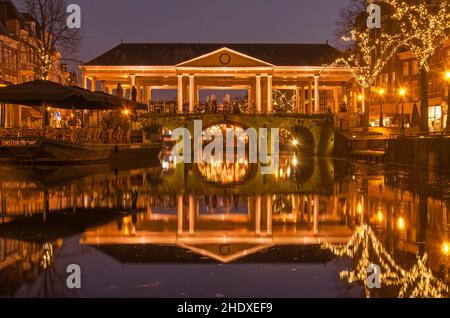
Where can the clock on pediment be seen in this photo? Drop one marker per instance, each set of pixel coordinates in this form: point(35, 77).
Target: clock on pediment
point(225, 59)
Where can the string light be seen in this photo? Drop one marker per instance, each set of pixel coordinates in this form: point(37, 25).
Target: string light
point(424, 26)
point(369, 56)
point(365, 249)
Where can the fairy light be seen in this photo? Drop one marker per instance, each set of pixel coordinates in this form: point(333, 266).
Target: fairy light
point(424, 26)
point(365, 249)
point(369, 56)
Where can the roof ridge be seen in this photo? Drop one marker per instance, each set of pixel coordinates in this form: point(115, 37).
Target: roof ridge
point(170, 54)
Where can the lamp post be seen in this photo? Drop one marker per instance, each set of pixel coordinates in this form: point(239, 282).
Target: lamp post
point(447, 78)
point(381, 93)
point(402, 93)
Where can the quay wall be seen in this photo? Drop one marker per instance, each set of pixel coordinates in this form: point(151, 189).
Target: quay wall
point(428, 152)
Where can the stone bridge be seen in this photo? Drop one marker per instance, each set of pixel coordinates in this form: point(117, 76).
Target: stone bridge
point(314, 135)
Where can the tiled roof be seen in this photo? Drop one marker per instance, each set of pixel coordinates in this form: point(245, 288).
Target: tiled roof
point(170, 54)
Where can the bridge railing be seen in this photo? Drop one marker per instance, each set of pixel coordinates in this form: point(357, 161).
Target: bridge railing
point(199, 115)
point(420, 134)
point(76, 135)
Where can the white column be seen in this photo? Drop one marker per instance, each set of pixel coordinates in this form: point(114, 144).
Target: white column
point(258, 94)
point(93, 83)
point(133, 80)
point(180, 213)
point(180, 94)
point(139, 93)
point(269, 94)
point(149, 98)
point(310, 99)
point(303, 101)
point(269, 214)
point(191, 214)
point(85, 82)
point(297, 100)
point(316, 214)
point(336, 100)
point(191, 94)
point(258, 214)
point(316, 95)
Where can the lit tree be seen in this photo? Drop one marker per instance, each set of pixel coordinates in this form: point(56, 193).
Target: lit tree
point(365, 249)
point(424, 27)
point(52, 34)
point(284, 101)
point(371, 52)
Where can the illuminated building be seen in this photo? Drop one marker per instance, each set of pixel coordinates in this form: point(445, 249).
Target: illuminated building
point(291, 72)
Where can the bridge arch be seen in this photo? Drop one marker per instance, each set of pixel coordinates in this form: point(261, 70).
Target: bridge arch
point(314, 136)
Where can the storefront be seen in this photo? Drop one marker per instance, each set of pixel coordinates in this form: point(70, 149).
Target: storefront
point(435, 118)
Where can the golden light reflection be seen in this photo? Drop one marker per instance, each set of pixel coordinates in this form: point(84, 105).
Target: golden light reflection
point(359, 208)
point(445, 248)
point(365, 249)
point(380, 216)
point(401, 224)
point(447, 75)
point(224, 173)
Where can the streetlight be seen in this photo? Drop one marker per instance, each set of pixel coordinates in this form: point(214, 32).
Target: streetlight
point(447, 78)
point(402, 93)
point(381, 93)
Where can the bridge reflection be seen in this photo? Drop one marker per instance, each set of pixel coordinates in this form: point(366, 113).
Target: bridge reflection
point(309, 202)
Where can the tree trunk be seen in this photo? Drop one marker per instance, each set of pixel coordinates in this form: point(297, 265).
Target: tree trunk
point(423, 100)
point(366, 113)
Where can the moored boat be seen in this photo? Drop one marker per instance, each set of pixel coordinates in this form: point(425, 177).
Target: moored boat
point(75, 146)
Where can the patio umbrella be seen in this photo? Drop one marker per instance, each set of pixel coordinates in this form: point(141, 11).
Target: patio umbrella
point(47, 93)
point(36, 93)
point(98, 100)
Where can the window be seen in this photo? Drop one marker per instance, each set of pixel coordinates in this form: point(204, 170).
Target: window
point(384, 80)
point(393, 81)
point(405, 68)
point(415, 67)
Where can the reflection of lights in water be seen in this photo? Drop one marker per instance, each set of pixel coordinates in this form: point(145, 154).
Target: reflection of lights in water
point(128, 226)
point(445, 248)
point(47, 256)
point(287, 166)
point(380, 216)
point(168, 163)
point(224, 173)
point(365, 249)
point(401, 224)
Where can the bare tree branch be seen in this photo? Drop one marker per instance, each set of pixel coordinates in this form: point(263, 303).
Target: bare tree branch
point(52, 38)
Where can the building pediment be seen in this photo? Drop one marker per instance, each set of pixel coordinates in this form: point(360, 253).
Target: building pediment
point(226, 253)
point(225, 57)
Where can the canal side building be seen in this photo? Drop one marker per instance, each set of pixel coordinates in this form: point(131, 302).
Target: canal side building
point(295, 73)
point(17, 62)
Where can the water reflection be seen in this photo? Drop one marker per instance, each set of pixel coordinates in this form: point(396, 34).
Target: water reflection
point(365, 249)
point(312, 211)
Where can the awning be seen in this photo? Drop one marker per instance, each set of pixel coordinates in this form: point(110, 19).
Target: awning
point(47, 93)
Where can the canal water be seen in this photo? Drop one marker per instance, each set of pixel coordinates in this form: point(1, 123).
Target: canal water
point(158, 229)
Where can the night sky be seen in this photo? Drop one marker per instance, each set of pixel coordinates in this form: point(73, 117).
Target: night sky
point(106, 22)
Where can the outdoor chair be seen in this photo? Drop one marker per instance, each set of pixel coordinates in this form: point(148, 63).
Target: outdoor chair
point(128, 137)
